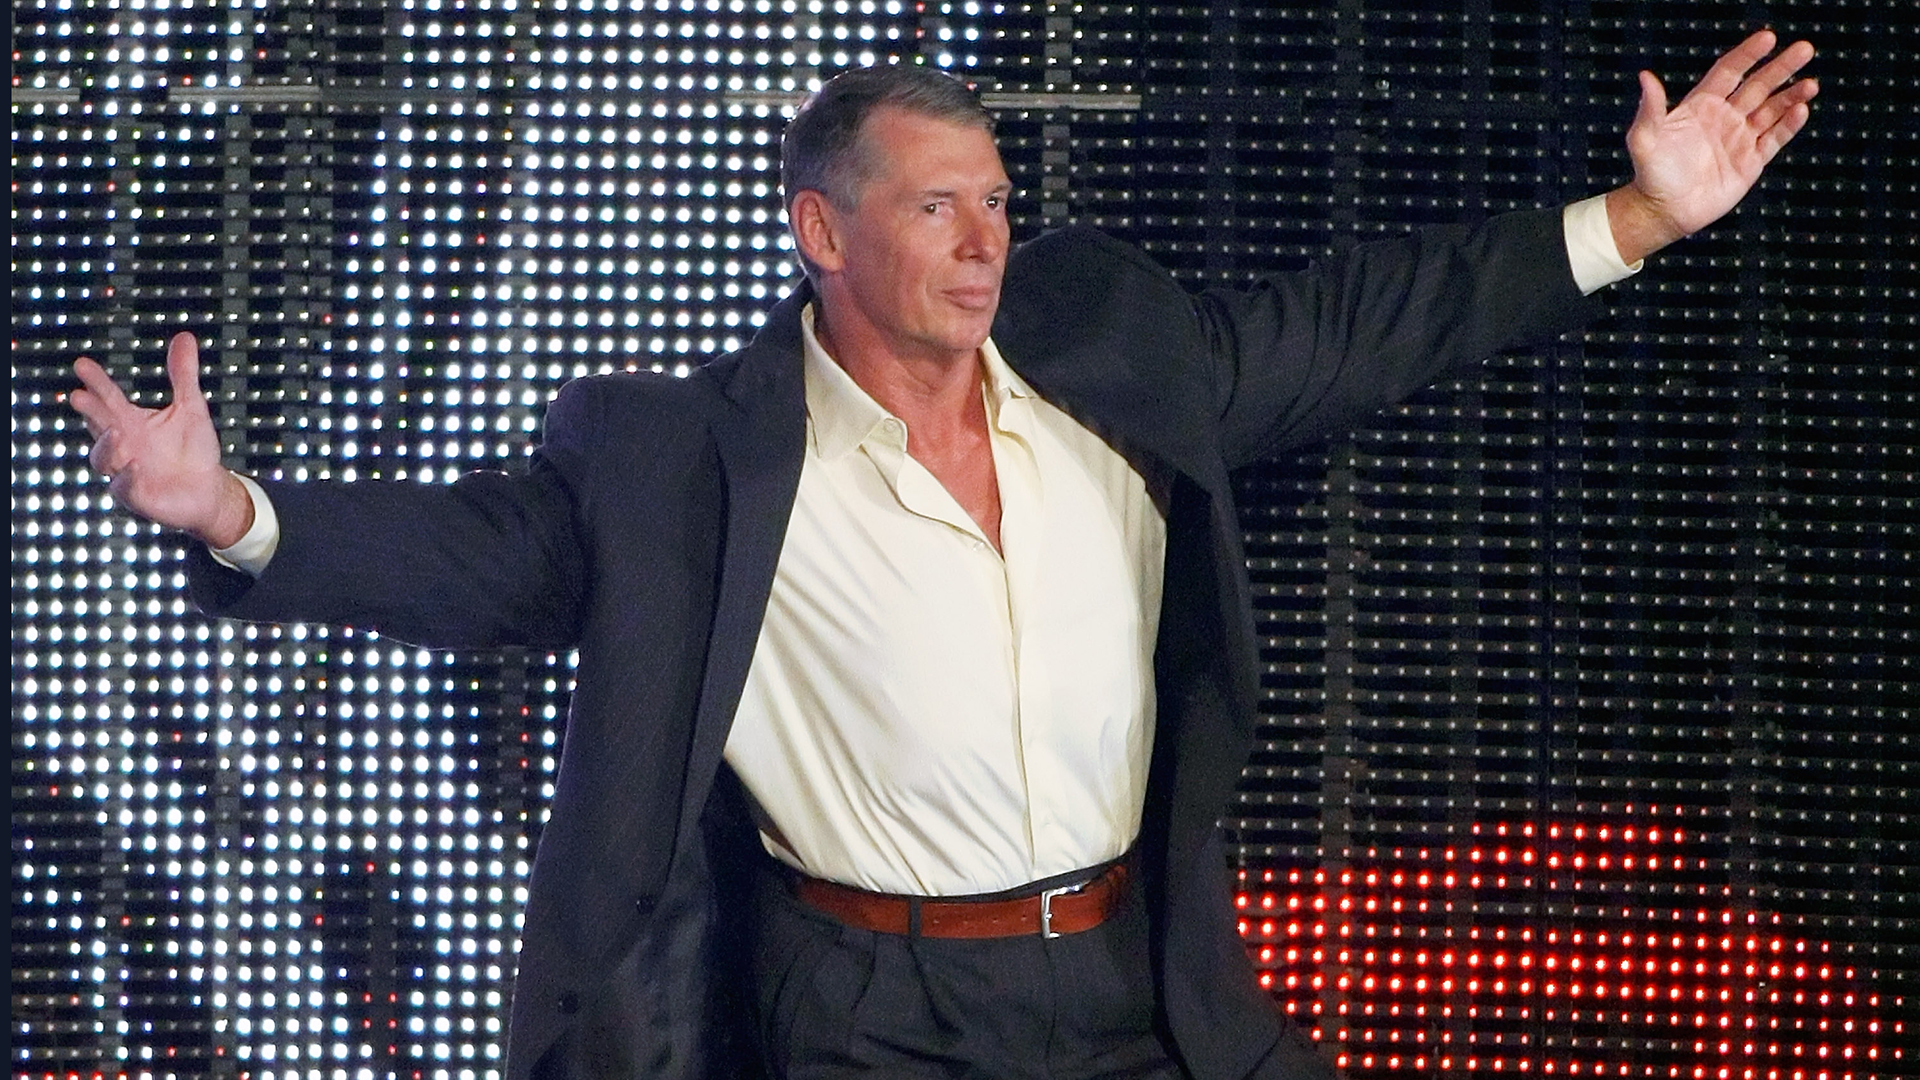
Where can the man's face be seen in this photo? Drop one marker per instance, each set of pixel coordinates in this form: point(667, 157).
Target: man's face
point(918, 259)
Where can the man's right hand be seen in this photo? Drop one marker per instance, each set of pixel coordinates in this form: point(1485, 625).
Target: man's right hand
point(164, 464)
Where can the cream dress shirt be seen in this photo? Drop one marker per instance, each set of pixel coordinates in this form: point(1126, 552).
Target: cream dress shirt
point(923, 715)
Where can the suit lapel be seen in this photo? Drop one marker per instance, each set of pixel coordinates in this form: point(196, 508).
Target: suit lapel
point(761, 442)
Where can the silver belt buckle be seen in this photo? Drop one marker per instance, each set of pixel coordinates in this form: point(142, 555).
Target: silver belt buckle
point(1046, 907)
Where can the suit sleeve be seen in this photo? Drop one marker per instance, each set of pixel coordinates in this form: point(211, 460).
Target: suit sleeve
point(1307, 355)
point(488, 560)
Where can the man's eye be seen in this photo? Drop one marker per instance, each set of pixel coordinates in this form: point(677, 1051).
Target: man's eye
point(995, 201)
point(931, 208)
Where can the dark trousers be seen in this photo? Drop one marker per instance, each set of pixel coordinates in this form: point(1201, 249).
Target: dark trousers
point(835, 1001)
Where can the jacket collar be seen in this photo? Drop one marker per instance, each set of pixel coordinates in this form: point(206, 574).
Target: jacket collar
point(766, 381)
point(766, 373)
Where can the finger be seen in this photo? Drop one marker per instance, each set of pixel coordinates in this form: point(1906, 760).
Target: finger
point(1771, 76)
point(183, 370)
point(1653, 101)
point(1783, 132)
point(105, 457)
point(1723, 78)
point(96, 414)
point(1777, 106)
point(105, 390)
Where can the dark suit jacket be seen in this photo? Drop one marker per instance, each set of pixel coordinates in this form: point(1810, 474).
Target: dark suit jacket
point(646, 534)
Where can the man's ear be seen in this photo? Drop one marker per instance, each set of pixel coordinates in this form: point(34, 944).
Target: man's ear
point(816, 229)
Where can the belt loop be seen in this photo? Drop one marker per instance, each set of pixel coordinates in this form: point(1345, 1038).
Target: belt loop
point(913, 916)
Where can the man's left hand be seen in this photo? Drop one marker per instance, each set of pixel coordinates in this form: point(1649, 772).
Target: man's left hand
point(1695, 162)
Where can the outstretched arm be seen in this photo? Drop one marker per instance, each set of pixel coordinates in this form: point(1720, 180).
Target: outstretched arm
point(164, 464)
point(490, 559)
point(1695, 162)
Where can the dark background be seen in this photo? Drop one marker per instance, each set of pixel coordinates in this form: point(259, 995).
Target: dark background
point(1655, 578)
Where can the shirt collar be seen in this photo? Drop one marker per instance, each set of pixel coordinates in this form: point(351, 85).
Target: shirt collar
point(842, 415)
point(1003, 384)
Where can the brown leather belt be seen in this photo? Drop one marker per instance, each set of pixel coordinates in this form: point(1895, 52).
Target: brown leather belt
point(1049, 913)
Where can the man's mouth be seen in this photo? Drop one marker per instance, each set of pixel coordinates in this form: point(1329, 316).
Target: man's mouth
point(973, 296)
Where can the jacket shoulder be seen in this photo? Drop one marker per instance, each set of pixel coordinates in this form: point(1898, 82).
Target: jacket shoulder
point(595, 415)
point(1077, 293)
point(636, 389)
point(1080, 252)
point(659, 396)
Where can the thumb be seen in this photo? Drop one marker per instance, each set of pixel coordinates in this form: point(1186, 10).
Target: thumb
point(1653, 100)
point(183, 370)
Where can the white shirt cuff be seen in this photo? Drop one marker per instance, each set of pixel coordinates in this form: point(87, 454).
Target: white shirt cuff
point(252, 552)
point(1590, 247)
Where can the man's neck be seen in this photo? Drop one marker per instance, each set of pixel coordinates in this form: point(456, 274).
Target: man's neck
point(940, 400)
point(938, 396)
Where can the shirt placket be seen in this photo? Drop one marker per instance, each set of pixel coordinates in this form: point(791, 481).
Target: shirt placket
point(1023, 539)
point(921, 494)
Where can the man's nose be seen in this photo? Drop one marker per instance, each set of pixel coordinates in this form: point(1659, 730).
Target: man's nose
point(983, 235)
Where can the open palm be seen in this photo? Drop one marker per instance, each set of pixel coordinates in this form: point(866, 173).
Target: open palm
point(164, 464)
point(1692, 164)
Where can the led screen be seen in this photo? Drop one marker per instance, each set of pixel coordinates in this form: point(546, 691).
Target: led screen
point(1588, 743)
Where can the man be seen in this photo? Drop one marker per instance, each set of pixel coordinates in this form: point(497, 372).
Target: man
point(944, 567)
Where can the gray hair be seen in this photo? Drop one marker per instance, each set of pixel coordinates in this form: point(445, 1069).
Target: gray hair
point(822, 149)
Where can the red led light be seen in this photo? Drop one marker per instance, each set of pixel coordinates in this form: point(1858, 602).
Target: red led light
point(1421, 964)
